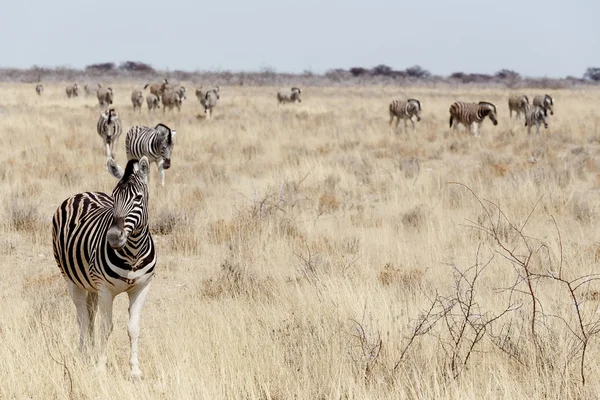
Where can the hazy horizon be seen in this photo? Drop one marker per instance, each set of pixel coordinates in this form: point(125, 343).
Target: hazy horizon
point(535, 39)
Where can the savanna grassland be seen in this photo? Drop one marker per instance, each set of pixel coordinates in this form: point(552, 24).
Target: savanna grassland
point(306, 252)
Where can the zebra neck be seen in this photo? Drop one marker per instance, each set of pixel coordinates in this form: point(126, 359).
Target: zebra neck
point(137, 244)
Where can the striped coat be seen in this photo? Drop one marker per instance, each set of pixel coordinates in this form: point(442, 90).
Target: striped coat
point(103, 247)
point(39, 89)
point(536, 116)
point(405, 110)
point(472, 114)
point(72, 91)
point(544, 101)
point(154, 143)
point(109, 128)
point(137, 99)
point(518, 103)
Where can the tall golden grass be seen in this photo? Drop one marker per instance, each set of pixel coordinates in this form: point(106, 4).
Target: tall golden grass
point(300, 246)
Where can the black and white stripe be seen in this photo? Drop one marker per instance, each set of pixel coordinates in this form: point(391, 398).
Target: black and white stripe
point(544, 101)
point(536, 115)
point(472, 114)
point(109, 128)
point(39, 89)
point(209, 101)
point(406, 110)
point(154, 143)
point(289, 96)
point(517, 103)
point(103, 247)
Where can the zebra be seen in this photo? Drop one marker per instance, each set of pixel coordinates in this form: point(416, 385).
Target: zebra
point(519, 104)
point(105, 96)
point(103, 247)
point(170, 99)
point(153, 102)
point(72, 90)
point(405, 110)
point(472, 114)
point(544, 101)
point(289, 96)
point(39, 89)
point(536, 115)
point(137, 99)
point(109, 128)
point(155, 143)
point(157, 88)
point(200, 94)
point(209, 101)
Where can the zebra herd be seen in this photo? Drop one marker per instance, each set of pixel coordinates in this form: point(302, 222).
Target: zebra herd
point(473, 114)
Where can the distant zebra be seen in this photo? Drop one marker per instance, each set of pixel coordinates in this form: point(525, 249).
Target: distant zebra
point(137, 99)
point(289, 96)
point(155, 143)
point(153, 102)
point(103, 247)
point(544, 101)
point(105, 96)
point(405, 110)
point(39, 89)
point(519, 104)
point(73, 90)
point(209, 101)
point(170, 99)
point(536, 115)
point(200, 94)
point(157, 88)
point(472, 114)
point(109, 128)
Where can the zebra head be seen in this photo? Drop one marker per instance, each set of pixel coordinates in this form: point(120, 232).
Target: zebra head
point(182, 91)
point(524, 101)
point(296, 92)
point(130, 208)
point(166, 138)
point(416, 105)
point(548, 103)
point(490, 110)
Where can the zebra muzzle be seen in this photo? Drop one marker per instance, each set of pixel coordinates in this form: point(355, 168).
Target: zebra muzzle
point(167, 163)
point(116, 236)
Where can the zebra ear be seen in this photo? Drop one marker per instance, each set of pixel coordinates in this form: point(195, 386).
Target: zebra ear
point(143, 167)
point(114, 169)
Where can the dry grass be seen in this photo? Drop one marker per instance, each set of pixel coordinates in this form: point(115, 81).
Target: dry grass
point(297, 246)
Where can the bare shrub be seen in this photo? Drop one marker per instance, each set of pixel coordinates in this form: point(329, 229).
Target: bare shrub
point(409, 278)
point(411, 167)
point(328, 203)
point(167, 220)
point(24, 216)
point(414, 219)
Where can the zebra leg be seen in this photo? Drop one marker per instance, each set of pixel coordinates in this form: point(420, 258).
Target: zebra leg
point(79, 298)
point(92, 306)
point(105, 306)
point(161, 172)
point(137, 297)
point(474, 128)
point(413, 124)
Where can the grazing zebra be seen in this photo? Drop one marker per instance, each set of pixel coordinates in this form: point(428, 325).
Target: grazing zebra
point(209, 101)
point(137, 99)
point(472, 114)
point(109, 128)
point(170, 99)
point(72, 90)
point(39, 89)
point(157, 88)
point(544, 101)
point(405, 110)
point(105, 96)
point(155, 143)
point(103, 247)
point(519, 104)
point(536, 115)
point(153, 102)
point(289, 96)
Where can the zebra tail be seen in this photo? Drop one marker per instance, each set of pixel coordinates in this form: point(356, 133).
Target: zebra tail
point(451, 121)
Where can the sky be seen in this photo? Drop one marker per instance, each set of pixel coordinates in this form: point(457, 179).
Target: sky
point(552, 38)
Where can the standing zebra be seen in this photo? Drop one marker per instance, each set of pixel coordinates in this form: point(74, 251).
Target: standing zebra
point(544, 101)
point(105, 96)
point(536, 115)
point(157, 88)
point(72, 90)
point(103, 247)
point(289, 96)
point(405, 110)
point(472, 114)
point(137, 99)
point(519, 104)
point(39, 89)
point(154, 143)
point(170, 99)
point(109, 128)
point(209, 101)
point(153, 102)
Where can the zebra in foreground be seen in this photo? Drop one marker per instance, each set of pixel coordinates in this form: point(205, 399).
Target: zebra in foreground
point(519, 104)
point(103, 247)
point(405, 110)
point(72, 90)
point(544, 101)
point(289, 96)
point(472, 114)
point(536, 115)
point(154, 143)
point(137, 99)
point(39, 89)
point(209, 101)
point(153, 102)
point(109, 128)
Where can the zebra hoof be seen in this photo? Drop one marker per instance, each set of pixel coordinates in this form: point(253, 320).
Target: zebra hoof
point(136, 376)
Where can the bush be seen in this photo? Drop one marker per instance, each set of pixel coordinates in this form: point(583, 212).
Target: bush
point(103, 67)
point(135, 66)
point(593, 74)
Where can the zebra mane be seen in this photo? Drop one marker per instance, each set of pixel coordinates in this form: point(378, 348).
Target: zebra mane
point(130, 169)
point(526, 98)
point(416, 101)
point(163, 128)
point(550, 97)
point(487, 103)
